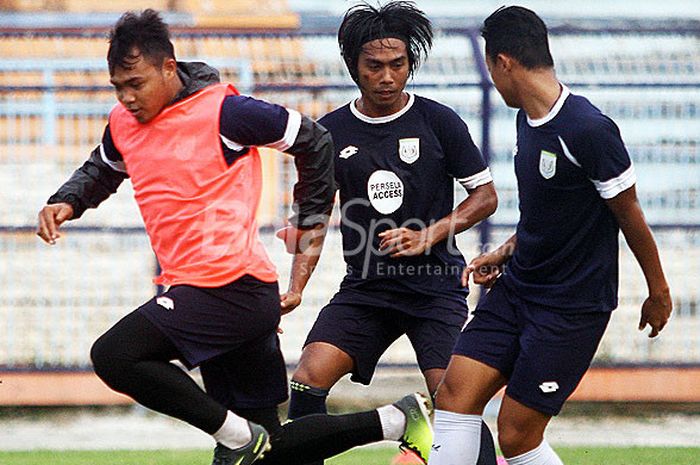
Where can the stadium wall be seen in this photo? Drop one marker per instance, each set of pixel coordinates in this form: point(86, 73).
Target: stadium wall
point(56, 300)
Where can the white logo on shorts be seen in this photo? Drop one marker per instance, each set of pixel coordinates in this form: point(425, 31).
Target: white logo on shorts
point(385, 191)
point(549, 386)
point(166, 302)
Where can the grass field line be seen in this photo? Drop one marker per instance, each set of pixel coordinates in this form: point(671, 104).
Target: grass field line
point(139, 429)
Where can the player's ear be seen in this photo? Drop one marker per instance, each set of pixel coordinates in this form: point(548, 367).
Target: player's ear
point(169, 67)
point(504, 61)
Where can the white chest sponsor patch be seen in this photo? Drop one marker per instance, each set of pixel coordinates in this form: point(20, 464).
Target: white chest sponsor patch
point(385, 191)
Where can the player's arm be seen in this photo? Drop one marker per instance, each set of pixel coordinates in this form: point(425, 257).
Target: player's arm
point(313, 201)
point(657, 307)
point(306, 246)
point(487, 267)
point(92, 183)
point(403, 242)
point(249, 121)
point(601, 153)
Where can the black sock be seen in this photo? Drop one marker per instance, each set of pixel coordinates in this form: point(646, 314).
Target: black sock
point(315, 437)
point(306, 400)
point(487, 450)
point(266, 417)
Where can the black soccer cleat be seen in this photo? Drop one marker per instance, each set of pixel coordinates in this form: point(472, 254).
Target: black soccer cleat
point(246, 455)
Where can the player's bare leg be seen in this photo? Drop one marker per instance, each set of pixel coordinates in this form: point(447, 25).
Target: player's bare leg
point(321, 365)
point(521, 434)
point(433, 378)
point(467, 387)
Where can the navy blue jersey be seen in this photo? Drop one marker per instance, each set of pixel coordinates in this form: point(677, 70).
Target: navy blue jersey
point(399, 171)
point(567, 164)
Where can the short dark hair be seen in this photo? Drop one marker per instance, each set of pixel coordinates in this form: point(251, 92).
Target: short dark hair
point(519, 33)
point(398, 19)
point(145, 31)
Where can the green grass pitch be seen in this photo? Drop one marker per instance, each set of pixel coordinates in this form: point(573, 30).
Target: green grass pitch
point(366, 456)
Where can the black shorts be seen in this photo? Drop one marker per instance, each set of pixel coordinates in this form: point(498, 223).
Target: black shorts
point(543, 353)
point(366, 331)
point(230, 332)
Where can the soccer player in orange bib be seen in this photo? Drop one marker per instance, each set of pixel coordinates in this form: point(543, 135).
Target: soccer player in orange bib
point(188, 144)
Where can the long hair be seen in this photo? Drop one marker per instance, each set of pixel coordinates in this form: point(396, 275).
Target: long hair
point(146, 31)
point(398, 19)
point(519, 33)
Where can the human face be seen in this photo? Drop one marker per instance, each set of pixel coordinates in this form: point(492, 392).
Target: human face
point(500, 70)
point(382, 70)
point(143, 87)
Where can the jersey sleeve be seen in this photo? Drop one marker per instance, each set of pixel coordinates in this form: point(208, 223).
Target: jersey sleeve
point(464, 160)
point(109, 153)
point(97, 179)
point(601, 153)
point(246, 121)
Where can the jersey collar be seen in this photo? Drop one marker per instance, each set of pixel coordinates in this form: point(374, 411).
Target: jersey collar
point(565, 92)
point(382, 119)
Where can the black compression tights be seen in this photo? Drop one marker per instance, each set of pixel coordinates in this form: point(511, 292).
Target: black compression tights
point(133, 358)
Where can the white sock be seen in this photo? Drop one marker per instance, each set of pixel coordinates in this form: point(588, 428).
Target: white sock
point(393, 422)
point(234, 433)
point(457, 439)
point(541, 455)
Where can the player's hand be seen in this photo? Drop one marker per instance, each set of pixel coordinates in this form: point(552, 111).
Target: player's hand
point(289, 301)
point(50, 219)
point(656, 311)
point(485, 270)
point(403, 242)
point(299, 240)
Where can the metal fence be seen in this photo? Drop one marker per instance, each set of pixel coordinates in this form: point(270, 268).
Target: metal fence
point(54, 301)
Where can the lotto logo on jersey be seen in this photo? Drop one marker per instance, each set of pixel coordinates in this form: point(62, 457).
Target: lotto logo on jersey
point(409, 149)
point(385, 191)
point(348, 152)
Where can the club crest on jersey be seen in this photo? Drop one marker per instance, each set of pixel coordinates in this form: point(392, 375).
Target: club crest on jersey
point(409, 149)
point(548, 164)
point(348, 152)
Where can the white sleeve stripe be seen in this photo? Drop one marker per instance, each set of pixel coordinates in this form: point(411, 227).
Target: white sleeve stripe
point(610, 188)
point(567, 153)
point(476, 180)
point(115, 165)
point(231, 144)
point(290, 134)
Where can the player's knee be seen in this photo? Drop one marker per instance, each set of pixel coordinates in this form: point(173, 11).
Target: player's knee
point(312, 376)
point(106, 366)
point(99, 354)
point(319, 371)
point(446, 396)
point(515, 438)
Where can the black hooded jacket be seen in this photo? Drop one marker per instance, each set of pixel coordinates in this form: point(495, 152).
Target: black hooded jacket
point(104, 171)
